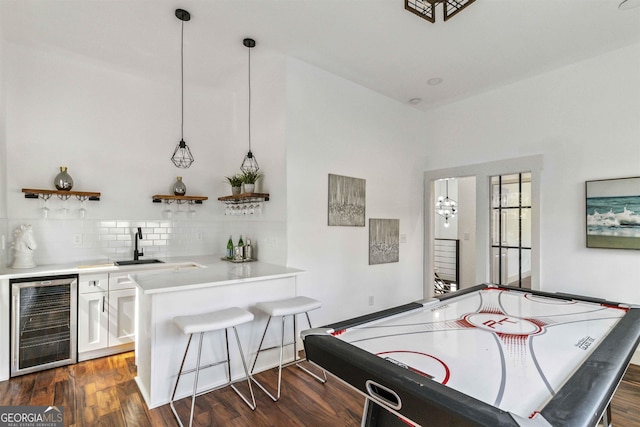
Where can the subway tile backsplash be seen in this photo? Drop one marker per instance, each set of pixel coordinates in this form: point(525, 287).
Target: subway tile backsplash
point(64, 241)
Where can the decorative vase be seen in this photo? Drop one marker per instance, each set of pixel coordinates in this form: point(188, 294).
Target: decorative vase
point(178, 187)
point(236, 190)
point(63, 180)
point(249, 188)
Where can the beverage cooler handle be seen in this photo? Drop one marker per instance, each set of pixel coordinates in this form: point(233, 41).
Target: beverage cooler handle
point(14, 314)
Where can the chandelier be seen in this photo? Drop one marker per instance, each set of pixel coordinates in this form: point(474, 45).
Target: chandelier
point(446, 207)
point(426, 9)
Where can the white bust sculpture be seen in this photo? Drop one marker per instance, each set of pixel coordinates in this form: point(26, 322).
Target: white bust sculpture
point(24, 246)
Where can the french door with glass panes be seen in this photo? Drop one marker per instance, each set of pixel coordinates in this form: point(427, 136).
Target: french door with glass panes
point(511, 229)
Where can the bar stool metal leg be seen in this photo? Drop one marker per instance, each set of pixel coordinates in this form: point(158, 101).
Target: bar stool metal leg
point(251, 404)
point(296, 360)
point(173, 395)
point(195, 382)
point(317, 377)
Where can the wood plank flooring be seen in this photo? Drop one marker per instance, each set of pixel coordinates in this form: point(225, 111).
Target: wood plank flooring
point(102, 392)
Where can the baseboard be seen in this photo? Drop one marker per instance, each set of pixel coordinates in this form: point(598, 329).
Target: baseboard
point(109, 351)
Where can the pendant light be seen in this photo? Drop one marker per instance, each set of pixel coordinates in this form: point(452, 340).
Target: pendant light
point(249, 164)
point(182, 157)
point(446, 207)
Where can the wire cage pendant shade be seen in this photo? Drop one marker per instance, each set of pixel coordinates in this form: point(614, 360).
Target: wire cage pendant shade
point(182, 157)
point(249, 164)
point(426, 9)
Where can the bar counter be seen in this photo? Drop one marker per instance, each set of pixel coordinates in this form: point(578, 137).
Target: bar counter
point(163, 295)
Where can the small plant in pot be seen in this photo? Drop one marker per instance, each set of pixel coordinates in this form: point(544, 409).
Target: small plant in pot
point(249, 179)
point(236, 183)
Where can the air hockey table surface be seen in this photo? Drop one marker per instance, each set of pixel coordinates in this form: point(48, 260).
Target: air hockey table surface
point(487, 355)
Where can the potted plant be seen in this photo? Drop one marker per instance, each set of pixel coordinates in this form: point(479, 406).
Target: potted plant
point(249, 179)
point(236, 183)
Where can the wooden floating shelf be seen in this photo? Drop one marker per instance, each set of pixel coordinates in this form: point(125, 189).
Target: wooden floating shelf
point(31, 193)
point(158, 198)
point(245, 198)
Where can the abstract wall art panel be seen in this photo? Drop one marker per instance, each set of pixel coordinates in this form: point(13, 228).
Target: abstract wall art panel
point(384, 241)
point(346, 201)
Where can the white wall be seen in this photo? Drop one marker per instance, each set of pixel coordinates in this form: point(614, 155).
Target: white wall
point(116, 132)
point(337, 127)
point(584, 119)
point(467, 230)
point(3, 161)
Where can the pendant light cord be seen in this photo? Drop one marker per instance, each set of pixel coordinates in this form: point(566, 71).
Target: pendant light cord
point(182, 82)
point(249, 99)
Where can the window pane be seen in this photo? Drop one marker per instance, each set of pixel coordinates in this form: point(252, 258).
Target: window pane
point(498, 263)
point(495, 227)
point(495, 192)
point(526, 189)
point(526, 227)
point(512, 227)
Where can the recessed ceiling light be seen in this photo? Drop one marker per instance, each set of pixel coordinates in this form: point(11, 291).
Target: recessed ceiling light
point(415, 101)
point(434, 81)
point(629, 4)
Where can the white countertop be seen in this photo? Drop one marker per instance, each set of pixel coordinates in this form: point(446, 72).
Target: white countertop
point(176, 273)
point(212, 273)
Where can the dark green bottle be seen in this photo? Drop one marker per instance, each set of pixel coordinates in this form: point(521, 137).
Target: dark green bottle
point(241, 246)
point(230, 248)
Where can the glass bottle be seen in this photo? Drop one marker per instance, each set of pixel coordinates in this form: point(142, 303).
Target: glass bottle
point(63, 180)
point(241, 246)
point(178, 188)
point(248, 250)
point(230, 248)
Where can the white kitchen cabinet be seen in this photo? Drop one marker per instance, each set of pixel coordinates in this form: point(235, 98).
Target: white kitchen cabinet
point(106, 315)
point(122, 316)
point(93, 321)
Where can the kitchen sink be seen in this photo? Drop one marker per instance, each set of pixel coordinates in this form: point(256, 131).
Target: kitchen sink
point(139, 261)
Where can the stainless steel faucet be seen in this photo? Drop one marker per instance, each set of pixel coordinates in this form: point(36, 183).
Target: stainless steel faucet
point(138, 253)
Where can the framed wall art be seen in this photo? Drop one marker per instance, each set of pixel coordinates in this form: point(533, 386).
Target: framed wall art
point(346, 201)
point(613, 213)
point(384, 241)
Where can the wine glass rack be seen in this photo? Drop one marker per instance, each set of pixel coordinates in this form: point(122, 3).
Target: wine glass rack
point(30, 193)
point(242, 198)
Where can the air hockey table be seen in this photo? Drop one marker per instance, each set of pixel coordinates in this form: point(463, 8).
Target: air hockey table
point(483, 356)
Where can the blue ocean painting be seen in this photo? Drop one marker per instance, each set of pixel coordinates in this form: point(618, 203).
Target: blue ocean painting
point(613, 216)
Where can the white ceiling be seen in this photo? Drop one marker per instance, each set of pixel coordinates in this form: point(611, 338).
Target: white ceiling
point(374, 43)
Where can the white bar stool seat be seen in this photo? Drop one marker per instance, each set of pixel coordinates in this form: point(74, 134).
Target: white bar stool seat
point(283, 308)
point(208, 322)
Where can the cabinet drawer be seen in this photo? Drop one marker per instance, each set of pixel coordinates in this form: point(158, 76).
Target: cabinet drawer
point(89, 283)
point(119, 281)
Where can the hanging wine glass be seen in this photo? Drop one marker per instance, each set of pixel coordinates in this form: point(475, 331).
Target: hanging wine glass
point(45, 207)
point(167, 213)
point(82, 212)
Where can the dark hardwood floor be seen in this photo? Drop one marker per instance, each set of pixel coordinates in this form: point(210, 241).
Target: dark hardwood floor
point(102, 392)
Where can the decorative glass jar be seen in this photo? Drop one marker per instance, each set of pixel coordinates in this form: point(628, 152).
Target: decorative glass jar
point(178, 187)
point(63, 180)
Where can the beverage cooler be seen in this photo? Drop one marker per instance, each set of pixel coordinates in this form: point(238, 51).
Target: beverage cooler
point(43, 323)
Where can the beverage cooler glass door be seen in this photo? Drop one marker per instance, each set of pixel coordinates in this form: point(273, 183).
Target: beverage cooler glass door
point(43, 323)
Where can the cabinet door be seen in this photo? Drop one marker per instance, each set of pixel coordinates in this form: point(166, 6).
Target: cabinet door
point(122, 317)
point(93, 321)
